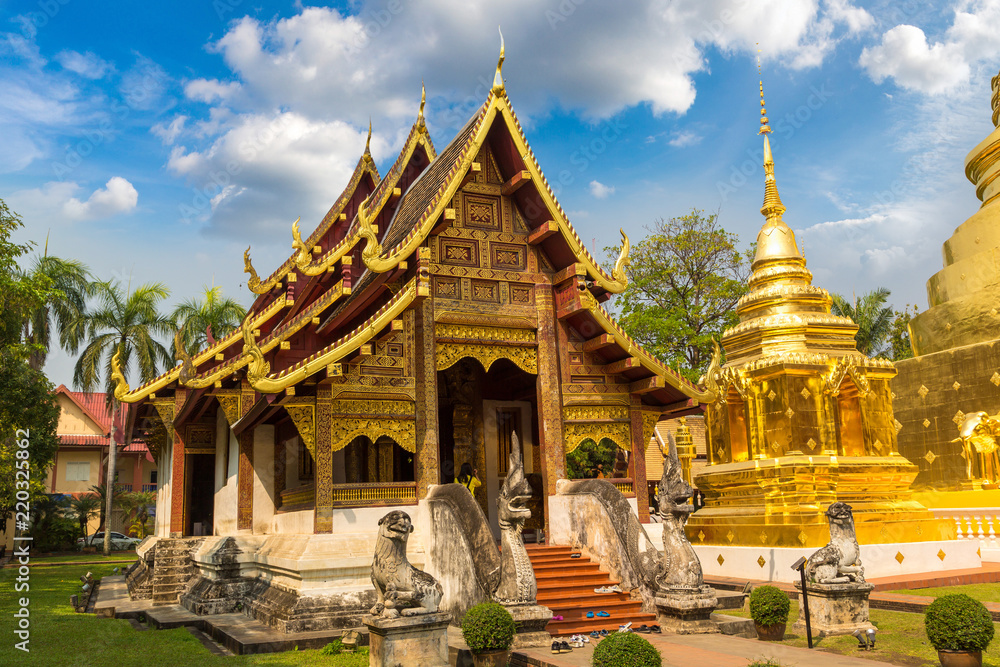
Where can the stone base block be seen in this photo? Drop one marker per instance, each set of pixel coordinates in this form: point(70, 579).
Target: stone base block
point(531, 621)
point(408, 640)
point(686, 611)
point(834, 609)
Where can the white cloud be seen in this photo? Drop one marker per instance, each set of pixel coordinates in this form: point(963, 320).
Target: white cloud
point(87, 64)
point(267, 170)
point(118, 196)
point(600, 190)
point(168, 133)
point(684, 138)
point(59, 200)
point(906, 56)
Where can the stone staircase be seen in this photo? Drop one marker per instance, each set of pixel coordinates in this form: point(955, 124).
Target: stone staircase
point(173, 568)
point(566, 586)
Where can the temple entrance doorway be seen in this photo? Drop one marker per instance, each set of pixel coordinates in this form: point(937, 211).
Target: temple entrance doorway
point(200, 481)
point(478, 413)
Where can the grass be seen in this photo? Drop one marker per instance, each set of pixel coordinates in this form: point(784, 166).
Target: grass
point(981, 592)
point(900, 639)
point(59, 636)
point(76, 558)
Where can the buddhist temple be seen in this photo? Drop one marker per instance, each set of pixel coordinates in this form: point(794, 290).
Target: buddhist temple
point(802, 419)
point(956, 368)
point(434, 311)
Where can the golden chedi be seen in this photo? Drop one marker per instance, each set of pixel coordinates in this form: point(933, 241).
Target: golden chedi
point(956, 370)
point(801, 418)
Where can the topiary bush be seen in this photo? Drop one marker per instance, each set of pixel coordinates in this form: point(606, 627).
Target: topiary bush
point(625, 649)
point(958, 623)
point(488, 627)
point(769, 606)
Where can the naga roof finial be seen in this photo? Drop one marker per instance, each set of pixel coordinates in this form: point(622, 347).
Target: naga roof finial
point(498, 77)
point(368, 141)
point(423, 101)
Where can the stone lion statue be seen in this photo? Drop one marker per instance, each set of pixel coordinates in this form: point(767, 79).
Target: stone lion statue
point(839, 562)
point(402, 589)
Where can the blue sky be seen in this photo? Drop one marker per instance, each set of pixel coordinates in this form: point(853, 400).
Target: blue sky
point(156, 144)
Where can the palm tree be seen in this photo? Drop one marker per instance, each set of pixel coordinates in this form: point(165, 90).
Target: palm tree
point(136, 506)
point(873, 317)
point(124, 323)
point(85, 507)
point(195, 317)
point(63, 311)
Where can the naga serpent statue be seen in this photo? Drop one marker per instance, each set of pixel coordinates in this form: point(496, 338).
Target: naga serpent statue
point(401, 588)
point(683, 569)
point(839, 562)
point(517, 577)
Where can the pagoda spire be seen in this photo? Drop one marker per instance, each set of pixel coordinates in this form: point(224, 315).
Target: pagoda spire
point(772, 208)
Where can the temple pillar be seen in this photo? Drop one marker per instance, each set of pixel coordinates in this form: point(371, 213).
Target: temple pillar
point(263, 500)
point(178, 510)
point(244, 482)
point(549, 393)
point(427, 470)
point(323, 522)
point(637, 459)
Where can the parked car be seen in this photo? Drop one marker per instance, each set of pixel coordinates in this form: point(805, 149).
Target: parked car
point(119, 542)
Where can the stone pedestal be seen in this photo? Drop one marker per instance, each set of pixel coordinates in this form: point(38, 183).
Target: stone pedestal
point(421, 639)
point(834, 609)
point(531, 621)
point(686, 611)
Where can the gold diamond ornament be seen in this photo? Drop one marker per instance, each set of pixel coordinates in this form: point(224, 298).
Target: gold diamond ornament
point(810, 443)
point(803, 537)
point(721, 559)
point(763, 537)
point(941, 554)
point(958, 418)
point(957, 385)
point(899, 557)
point(877, 444)
point(923, 391)
point(789, 413)
point(701, 535)
point(929, 457)
point(995, 379)
point(761, 561)
point(730, 536)
point(771, 395)
point(806, 394)
point(927, 422)
point(898, 426)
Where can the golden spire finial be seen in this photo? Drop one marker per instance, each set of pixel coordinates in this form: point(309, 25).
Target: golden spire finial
point(772, 208)
point(368, 141)
point(498, 77)
point(764, 127)
point(423, 101)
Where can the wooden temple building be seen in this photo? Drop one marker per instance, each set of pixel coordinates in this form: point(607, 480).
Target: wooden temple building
point(432, 312)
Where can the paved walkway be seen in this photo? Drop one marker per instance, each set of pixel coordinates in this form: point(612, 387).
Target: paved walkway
point(701, 651)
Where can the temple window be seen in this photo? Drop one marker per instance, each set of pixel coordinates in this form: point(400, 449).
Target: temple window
point(738, 440)
point(850, 433)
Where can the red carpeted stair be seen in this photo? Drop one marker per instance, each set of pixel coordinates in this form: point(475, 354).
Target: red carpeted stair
point(566, 586)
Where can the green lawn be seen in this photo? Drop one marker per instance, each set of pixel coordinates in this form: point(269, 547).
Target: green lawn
point(75, 558)
point(981, 592)
point(59, 636)
point(900, 639)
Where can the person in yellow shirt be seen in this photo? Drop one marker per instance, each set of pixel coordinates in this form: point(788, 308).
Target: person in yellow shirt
point(467, 478)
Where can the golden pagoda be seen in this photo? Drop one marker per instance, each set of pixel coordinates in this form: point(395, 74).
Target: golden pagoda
point(801, 419)
point(956, 370)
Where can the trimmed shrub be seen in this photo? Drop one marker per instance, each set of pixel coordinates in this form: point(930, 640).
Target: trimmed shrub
point(769, 605)
point(958, 623)
point(488, 627)
point(625, 649)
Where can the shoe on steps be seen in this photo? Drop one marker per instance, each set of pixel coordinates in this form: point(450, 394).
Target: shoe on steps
point(603, 614)
point(590, 614)
point(574, 555)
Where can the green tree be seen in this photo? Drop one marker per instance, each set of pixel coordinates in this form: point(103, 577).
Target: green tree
point(685, 278)
point(873, 317)
point(136, 504)
point(28, 410)
point(84, 508)
point(123, 322)
point(195, 316)
point(583, 461)
point(63, 310)
point(899, 335)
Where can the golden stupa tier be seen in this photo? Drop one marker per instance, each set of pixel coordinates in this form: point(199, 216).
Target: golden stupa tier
point(957, 339)
point(964, 297)
point(801, 418)
point(779, 502)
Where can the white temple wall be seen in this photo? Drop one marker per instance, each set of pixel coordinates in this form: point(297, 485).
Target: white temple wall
point(165, 466)
point(225, 478)
point(263, 479)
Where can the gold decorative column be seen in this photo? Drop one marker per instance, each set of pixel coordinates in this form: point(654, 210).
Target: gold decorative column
point(801, 419)
point(956, 370)
point(685, 448)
